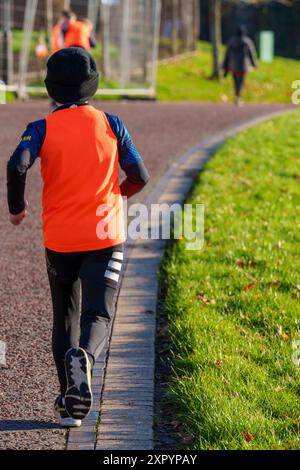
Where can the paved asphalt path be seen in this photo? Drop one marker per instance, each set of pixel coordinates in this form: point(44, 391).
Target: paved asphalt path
point(28, 385)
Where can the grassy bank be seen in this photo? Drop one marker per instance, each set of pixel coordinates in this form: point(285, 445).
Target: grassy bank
point(188, 79)
point(233, 309)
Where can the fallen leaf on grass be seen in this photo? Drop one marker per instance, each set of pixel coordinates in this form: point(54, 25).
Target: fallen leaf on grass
point(275, 284)
point(245, 264)
point(296, 293)
point(240, 263)
point(187, 439)
point(250, 286)
point(175, 424)
point(247, 436)
point(219, 363)
point(202, 297)
point(281, 334)
point(245, 182)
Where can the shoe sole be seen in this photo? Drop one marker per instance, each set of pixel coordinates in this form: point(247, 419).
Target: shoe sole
point(67, 422)
point(78, 397)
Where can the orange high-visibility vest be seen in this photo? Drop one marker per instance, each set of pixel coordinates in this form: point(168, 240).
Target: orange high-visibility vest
point(78, 34)
point(56, 38)
point(82, 203)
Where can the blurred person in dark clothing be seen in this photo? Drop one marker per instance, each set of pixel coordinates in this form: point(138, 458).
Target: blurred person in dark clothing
point(239, 59)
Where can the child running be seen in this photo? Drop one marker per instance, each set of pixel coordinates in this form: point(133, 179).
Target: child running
point(80, 149)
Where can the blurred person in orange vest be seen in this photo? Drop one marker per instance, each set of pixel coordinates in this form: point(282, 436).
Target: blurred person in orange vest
point(59, 30)
point(57, 38)
point(79, 33)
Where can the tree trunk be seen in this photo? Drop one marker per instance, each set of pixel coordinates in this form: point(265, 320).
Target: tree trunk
point(29, 17)
point(144, 39)
point(125, 43)
point(215, 35)
point(187, 12)
point(7, 43)
point(93, 11)
point(104, 32)
point(49, 16)
point(196, 23)
point(174, 45)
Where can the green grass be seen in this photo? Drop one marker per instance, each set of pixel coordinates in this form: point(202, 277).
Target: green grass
point(105, 84)
point(17, 39)
point(189, 80)
point(231, 354)
point(18, 35)
point(10, 97)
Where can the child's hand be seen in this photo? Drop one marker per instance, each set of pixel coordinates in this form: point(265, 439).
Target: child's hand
point(17, 219)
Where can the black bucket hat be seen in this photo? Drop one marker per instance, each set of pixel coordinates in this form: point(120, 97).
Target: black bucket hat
point(72, 75)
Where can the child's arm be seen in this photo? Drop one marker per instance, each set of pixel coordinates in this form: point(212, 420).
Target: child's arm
point(20, 161)
point(93, 42)
point(129, 158)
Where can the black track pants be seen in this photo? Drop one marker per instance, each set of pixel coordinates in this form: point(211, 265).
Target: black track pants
point(98, 273)
point(239, 82)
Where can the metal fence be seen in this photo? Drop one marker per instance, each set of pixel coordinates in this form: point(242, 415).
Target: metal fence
point(180, 24)
point(126, 31)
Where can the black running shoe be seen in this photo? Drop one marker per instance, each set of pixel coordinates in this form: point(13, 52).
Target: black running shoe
point(62, 416)
point(78, 397)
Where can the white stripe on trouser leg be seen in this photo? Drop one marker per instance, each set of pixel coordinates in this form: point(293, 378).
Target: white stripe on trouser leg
point(119, 255)
point(110, 275)
point(115, 265)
